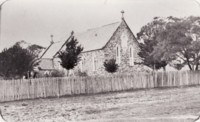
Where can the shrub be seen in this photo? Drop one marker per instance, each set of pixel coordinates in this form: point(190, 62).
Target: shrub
point(57, 73)
point(111, 66)
point(82, 74)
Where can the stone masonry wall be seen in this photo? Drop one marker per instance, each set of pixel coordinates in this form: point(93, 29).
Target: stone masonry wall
point(109, 52)
point(87, 60)
point(110, 49)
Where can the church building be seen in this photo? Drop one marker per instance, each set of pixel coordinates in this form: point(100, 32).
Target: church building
point(112, 41)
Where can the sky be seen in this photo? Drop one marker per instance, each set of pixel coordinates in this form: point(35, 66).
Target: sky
point(35, 20)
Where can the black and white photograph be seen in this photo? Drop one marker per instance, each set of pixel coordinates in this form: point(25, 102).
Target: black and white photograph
point(99, 60)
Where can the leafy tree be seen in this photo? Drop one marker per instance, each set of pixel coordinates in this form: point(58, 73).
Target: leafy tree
point(148, 35)
point(70, 56)
point(146, 54)
point(177, 43)
point(35, 49)
point(111, 66)
point(173, 41)
point(16, 62)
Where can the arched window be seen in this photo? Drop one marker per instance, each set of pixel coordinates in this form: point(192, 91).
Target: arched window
point(81, 66)
point(81, 63)
point(94, 62)
point(118, 54)
point(131, 56)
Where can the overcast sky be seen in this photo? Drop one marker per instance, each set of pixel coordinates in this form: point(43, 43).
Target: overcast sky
point(35, 20)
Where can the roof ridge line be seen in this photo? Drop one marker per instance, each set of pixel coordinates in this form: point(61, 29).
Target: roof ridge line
point(111, 23)
point(103, 26)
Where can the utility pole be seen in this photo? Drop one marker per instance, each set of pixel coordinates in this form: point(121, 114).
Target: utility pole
point(1, 5)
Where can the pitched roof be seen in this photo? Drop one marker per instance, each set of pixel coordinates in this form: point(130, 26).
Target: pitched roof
point(92, 39)
point(54, 48)
point(96, 38)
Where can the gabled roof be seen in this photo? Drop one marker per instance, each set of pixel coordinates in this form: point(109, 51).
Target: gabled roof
point(54, 48)
point(92, 39)
point(44, 52)
point(96, 38)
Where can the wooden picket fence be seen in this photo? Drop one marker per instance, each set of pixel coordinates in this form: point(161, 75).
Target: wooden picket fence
point(11, 90)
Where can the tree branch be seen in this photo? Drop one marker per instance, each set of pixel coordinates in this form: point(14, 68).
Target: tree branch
point(181, 57)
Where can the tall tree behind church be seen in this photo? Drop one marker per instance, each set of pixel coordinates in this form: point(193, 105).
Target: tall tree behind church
point(16, 62)
point(148, 34)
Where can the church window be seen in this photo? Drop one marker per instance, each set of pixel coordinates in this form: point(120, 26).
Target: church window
point(81, 66)
point(131, 56)
point(118, 54)
point(94, 62)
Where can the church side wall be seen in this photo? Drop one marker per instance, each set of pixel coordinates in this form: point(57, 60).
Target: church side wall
point(91, 63)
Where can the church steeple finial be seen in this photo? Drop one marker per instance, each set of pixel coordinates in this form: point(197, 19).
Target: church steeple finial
point(52, 39)
point(122, 12)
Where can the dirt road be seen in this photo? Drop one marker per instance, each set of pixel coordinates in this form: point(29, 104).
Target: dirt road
point(158, 105)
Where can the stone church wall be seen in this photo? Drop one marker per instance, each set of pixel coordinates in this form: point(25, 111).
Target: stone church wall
point(116, 40)
point(92, 61)
point(109, 52)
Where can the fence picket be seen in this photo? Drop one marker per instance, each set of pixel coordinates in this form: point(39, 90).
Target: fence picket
point(55, 87)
